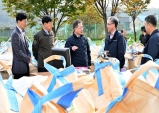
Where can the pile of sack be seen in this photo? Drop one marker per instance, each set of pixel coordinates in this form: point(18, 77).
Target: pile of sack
point(6, 55)
point(132, 57)
point(106, 90)
point(63, 91)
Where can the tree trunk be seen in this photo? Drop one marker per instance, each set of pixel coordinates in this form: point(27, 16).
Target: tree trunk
point(54, 27)
point(54, 31)
point(134, 29)
point(105, 23)
point(115, 4)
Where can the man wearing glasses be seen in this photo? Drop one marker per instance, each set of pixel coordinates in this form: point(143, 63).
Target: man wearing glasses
point(115, 42)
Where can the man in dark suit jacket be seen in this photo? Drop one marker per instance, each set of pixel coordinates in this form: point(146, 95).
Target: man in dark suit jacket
point(115, 42)
point(152, 46)
point(21, 54)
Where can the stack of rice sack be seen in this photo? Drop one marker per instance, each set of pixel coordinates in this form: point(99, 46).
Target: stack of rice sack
point(95, 50)
point(108, 83)
point(62, 92)
point(140, 94)
point(59, 44)
point(10, 98)
point(6, 52)
point(131, 54)
point(6, 56)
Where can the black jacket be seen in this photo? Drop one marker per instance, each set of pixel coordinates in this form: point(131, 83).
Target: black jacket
point(116, 47)
point(81, 56)
point(141, 38)
point(152, 47)
point(42, 46)
point(145, 39)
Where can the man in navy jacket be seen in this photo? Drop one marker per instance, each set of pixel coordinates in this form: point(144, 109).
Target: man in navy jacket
point(115, 42)
point(79, 47)
point(152, 46)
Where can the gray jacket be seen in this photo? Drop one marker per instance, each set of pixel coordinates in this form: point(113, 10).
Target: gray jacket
point(42, 46)
point(21, 53)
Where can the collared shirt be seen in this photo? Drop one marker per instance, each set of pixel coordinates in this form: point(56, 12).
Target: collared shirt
point(77, 35)
point(46, 31)
point(21, 31)
point(112, 34)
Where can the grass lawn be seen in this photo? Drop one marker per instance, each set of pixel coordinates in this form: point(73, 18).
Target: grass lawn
point(97, 41)
point(3, 39)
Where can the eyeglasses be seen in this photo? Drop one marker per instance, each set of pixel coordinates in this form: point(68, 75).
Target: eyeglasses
point(79, 27)
point(50, 23)
point(25, 21)
point(110, 23)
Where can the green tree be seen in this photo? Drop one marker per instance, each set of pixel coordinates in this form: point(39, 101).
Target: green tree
point(90, 19)
point(102, 7)
point(59, 10)
point(133, 8)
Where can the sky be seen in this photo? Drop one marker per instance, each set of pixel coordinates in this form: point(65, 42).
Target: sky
point(154, 4)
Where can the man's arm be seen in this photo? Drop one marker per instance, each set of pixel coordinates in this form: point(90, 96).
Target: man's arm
point(16, 47)
point(153, 48)
point(121, 50)
point(105, 43)
point(88, 54)
point(35, 47)
point(52, 38)
point(68, 44)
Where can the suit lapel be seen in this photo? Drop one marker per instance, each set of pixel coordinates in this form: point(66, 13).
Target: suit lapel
point(23, 39)
point(26, 43)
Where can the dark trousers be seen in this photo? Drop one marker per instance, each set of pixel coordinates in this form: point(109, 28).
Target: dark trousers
point(17, 76)
point(42, 69)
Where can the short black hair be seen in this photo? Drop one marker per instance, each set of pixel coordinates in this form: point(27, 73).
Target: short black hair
point(21, 16)
point(143, 29)
point(114, 20)
point(75, 23)
point(122, 30)
point(46, 19)
point(151, 19)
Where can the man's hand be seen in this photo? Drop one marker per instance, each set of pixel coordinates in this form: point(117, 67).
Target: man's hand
point(89, 67)
point(74, 48)
point(30, 59)
point(140, 53)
